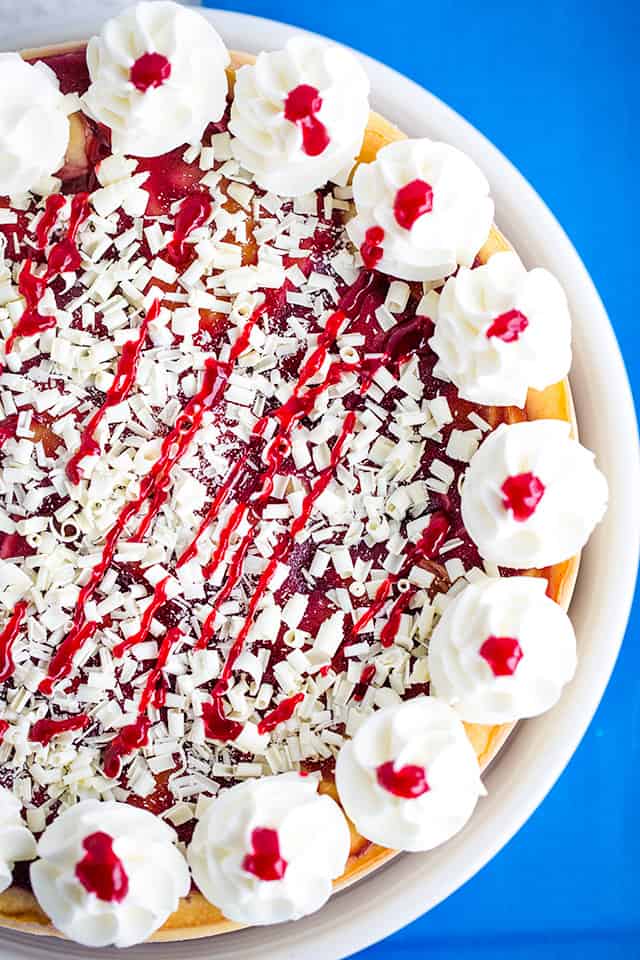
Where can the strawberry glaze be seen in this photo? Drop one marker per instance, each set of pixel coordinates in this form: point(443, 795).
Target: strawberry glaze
point(8, 637)
point(408, 782)
point(503, 654)
point(265, 862)
point(521, 494)
point(149, 71)
point(300, 107)
point(100, 871)
point(508, 326)
point(412, 202)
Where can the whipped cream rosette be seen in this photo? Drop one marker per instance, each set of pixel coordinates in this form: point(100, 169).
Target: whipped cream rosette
point(298, 116)
point(409, 779)
point(532, 495)
point(16, 840)
point(501, 329)
point(422, 208)
point(157, 78)
point(502, 650)
point(267, 850)
point(108, 873)
point(34, 124)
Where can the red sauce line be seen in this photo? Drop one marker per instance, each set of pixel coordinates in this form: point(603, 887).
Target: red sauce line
point(136, 735)
point(43, 731)
point(125, 377)
point(430, 541)
point(8, 637)
point(283, 712)
point(64, 255)
point(158, 598)
point(392, 625)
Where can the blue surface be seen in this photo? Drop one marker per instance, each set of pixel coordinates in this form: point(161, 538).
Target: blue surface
point(554, 85)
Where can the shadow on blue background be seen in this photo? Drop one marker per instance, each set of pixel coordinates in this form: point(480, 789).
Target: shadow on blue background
point(554, 86)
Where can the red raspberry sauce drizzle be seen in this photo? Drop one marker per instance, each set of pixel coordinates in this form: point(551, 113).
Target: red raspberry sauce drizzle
point(194, 212)
point(412, 202)
point(158, 599)
point(52, 207)
point(503, 654)
point(265, 861)
point(371, 249)
point(63, 256)
point(8, 637)
point(300, 107)
point(283, 712)
point(154, 487)
point(430, 541)
point(150, 70)
point(508, 326)
point(136, 735)
point(100, 871)
point(216, 725)
point(4, 726)
point(367, 675)
point(124, 380)
point(521, 494)
point(408, 782)
point(43, 731)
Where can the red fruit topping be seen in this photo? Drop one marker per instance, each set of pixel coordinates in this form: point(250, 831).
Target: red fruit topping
point(300, 107)
point(7, 639)
point(371, 250)
point(412, 201)
point(503, 654)
point(408, 782)
point(100, 871)
point(521, 494)
point(284, 711)
point(216, 725)
point(265, 861)
point(508, 326)
point(43, 731)
point(150, 70)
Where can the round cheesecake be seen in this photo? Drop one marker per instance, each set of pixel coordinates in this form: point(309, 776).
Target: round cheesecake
point(254, 407)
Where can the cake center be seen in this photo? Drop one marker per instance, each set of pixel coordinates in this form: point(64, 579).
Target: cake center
point(412, 201)
point(508, 326)
point(150, 70)
point(265, 861)
point(503, 654)
point(408, 782)
point(300, 107)
point(101, 871)
point(521, 494)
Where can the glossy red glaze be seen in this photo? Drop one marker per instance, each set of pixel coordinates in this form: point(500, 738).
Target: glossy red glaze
point(521, 494)
point(64, 255)
point(265, 861)
point(390, 628)
point(194, 212)
point(503, 654)
point(149, 71)
point(8, 637)
point(4, 726)
point(158, 599)
point(283, 712)
point(124, 380)
point(216, 725)
point(100, 871)
point(367, 675)
point(371, 249)
point(43, 731)
point(300, 107)
point(126, 741)
point(52, 207)
point(408, 782)
point(508, 326)
point(412, 202)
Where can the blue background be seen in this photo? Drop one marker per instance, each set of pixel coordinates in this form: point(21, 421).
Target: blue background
point(555, 85)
